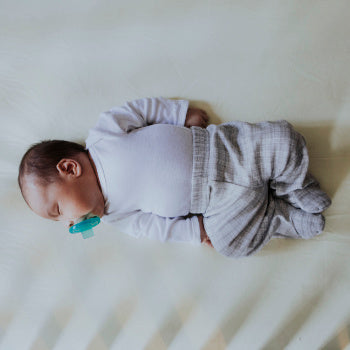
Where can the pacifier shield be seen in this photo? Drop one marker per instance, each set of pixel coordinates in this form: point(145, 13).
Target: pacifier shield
point(85, 225)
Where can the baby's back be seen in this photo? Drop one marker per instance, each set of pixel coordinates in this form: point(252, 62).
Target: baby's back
point(149, 168)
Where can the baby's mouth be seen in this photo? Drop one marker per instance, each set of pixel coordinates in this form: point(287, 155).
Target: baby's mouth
point(84, 217)
point(88, 216)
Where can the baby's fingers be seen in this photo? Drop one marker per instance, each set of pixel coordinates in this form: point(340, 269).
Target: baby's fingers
point(208, 243)
point(204, 122)
point(204, 114)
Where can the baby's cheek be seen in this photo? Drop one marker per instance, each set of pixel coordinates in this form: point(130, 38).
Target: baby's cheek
point(91, 199)
point(85, 206)
point(76, 208)
point(89, 203)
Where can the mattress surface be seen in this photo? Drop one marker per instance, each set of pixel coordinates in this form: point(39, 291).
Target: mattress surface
point(62, 63)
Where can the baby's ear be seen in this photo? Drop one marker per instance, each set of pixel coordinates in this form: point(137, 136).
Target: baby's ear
point(69, 167)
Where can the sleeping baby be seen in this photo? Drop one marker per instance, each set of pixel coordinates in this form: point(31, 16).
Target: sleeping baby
point(154, 167)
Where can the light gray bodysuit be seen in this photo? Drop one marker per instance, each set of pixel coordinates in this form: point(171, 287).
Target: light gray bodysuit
point(249, 181)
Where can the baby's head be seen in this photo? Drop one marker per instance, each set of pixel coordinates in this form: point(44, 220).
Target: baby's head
point(58, 181)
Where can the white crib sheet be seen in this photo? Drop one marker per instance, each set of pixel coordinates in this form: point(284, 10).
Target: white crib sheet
point(62, 63)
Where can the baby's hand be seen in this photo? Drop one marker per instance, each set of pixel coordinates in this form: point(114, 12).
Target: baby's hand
point(204, 237)
point(196, 117)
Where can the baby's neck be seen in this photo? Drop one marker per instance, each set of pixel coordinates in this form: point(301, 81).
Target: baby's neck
point(94, 169)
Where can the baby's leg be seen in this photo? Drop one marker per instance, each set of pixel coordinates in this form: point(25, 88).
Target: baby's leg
point(289, 176)
point(237, 218)
point(254, 155)
point(310, 198)
point(289, 221)
point(240, 221)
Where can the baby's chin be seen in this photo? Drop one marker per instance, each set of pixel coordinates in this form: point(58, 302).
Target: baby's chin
point(100, 214)
point(99, 211)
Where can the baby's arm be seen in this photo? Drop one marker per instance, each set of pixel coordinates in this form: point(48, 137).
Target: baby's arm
point(140, 224)
point(142, 112)
point(147, 111)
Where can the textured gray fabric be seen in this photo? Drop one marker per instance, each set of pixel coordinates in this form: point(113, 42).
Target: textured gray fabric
point(251, 182)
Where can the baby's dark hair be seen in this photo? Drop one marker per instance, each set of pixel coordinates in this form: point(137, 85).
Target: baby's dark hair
point(41, 159)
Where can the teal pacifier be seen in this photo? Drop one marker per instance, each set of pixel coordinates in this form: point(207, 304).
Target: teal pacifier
point(85, 227)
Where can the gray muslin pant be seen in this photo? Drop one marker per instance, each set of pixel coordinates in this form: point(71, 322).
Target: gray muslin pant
point(251, 183)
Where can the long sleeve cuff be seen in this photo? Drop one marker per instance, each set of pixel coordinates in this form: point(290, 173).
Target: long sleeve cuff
point(196, 231)
point(180, 109)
